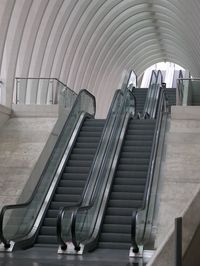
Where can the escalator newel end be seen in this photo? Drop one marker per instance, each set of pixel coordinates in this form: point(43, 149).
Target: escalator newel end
point(7, 245)
point(77, 248)
point(135, 249)
point(63, 247)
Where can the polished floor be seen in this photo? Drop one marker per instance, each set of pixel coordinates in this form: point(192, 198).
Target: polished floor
point(48, 257)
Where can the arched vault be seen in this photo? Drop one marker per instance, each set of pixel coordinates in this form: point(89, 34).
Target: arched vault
point(88, 43)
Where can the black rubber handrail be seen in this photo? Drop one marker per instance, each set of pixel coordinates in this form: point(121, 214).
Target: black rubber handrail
point(5, 241)
point(155, 90)
point(146, 105)
point(150, 173)
point(74, 215)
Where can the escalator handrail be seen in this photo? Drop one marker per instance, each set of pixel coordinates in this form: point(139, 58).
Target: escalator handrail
point(155, 91)
point(161, 103)
point(147, 103)
point(77, 205)
point(26, 203)
point(81, 208)
point(180, 88)
point(158, 86)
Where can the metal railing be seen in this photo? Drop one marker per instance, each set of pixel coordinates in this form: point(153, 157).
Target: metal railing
point(184, 90)
point(40, 91)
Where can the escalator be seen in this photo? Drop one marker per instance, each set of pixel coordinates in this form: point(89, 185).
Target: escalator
point(72, 168)
point(105, 220)
point(72, 182)
point(128, 186)
point(62, 181)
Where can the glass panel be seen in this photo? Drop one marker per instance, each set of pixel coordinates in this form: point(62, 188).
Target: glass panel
point(145, 215)
point(150, 93)
point(132, 79)
point(18, 220)
point(188, 92)
point(153, 94)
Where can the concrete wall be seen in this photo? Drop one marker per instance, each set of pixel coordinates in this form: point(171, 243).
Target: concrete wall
point(21, 142)
point(4, 114)
point(179, 188)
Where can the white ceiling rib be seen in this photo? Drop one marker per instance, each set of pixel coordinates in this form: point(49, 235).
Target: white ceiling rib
point(87, 44)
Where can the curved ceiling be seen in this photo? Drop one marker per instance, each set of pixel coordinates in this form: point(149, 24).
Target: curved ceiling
point(88, 43)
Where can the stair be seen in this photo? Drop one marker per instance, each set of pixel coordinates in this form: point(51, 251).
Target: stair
point(140, 95)
point(72, 182)
point(128, 185)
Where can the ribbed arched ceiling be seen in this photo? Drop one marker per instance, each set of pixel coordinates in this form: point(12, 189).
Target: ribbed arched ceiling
point(88, 43)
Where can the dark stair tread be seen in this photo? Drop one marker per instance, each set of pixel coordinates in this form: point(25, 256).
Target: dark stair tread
point(111, 245)
point(126, 195)
point(115, 237)
point(116, 228)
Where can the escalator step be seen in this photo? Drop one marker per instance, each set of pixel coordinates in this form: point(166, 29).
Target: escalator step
point(125, 203)
point(132, 167)
point(81, 157)
point(136, 174)
point(128, 187)
point(138, 143)
point(83, 151)
point(137, 149)
point(137, 137)
point(112, 237)
point(113, 245)
point(134, 154)
point(50, 221)
point(52, 213)
point(88, 139)
point(56, 205)
point(41, 239)
point(88, 134)
point(126, 196)
point(116, 211)
point(73, 177)
point(48, 230)
point(72, 183)
point(78, 162)
point(116, 228)
point(66, 198)
point(71, 169)
point(86, 146)
point(137, 161)
point(117, 219)
point(69, 190)
point(125, 183)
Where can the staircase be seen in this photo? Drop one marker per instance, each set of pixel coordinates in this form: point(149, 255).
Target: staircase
point(128, 185)
point(72, 182)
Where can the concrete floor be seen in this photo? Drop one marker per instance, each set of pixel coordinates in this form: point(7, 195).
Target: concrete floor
point(48, 256)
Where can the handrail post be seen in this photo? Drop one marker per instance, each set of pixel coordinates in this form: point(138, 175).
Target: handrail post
point(178, 241)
